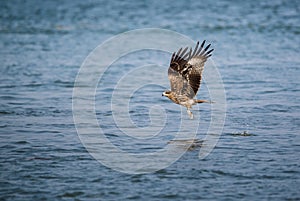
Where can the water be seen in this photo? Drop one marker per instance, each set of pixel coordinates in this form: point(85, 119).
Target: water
point(256, 51)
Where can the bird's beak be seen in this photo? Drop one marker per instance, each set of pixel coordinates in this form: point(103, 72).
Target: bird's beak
point(162, 94)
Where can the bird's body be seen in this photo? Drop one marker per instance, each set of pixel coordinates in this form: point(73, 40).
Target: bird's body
point(185, 73)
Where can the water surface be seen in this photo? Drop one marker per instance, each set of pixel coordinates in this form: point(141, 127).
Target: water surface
point(256, 44)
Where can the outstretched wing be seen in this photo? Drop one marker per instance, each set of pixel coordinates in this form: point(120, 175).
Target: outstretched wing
point(186, 67)
point(179, 84)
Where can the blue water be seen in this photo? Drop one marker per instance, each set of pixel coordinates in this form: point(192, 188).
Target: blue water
point(43, 45)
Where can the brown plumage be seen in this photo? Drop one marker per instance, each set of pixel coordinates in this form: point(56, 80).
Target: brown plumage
point(185, 74)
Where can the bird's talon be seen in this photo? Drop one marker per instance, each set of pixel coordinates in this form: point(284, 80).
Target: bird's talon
point(190, 114)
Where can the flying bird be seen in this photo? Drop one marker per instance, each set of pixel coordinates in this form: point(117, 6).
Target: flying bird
point(185, 73)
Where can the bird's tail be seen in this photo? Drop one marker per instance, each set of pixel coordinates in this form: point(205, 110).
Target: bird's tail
point(204, 101)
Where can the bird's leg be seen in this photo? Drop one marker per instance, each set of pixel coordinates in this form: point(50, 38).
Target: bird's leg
point(190, 113)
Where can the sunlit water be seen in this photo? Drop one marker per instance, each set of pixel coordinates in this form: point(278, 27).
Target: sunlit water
point(256, 47)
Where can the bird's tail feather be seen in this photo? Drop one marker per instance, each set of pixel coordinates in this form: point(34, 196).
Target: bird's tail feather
point(204, 101)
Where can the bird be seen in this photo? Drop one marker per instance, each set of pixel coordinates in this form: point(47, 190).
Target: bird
point(185, 74)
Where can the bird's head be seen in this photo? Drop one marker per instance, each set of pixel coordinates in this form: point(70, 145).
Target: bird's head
point(166, 93)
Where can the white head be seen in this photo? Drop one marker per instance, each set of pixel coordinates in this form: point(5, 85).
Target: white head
point(166, 93)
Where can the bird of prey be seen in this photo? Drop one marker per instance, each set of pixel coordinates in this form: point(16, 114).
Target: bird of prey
point(185, 73)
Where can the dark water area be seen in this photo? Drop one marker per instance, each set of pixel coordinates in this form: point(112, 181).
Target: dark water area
point(42, 46)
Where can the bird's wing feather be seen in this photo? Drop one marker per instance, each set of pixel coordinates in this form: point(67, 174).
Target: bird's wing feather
point(186, 67)
point(179, 84)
